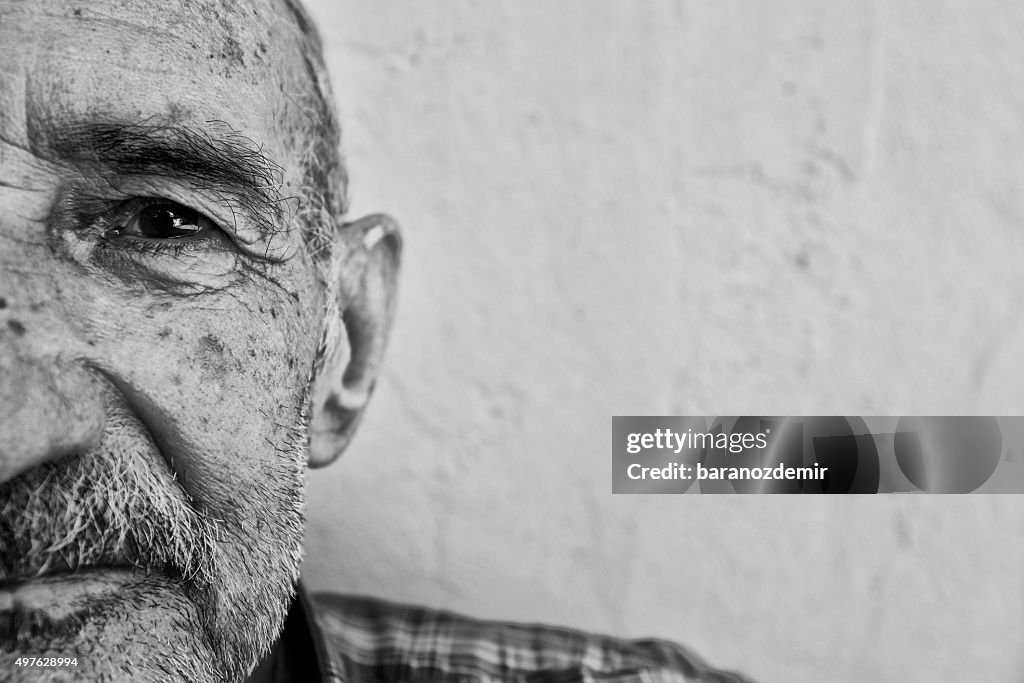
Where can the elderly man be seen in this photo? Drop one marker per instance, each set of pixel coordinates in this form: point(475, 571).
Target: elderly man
point(185, 324)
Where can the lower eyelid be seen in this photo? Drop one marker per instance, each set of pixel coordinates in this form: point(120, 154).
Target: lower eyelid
point(178, 267)
point(177, 246)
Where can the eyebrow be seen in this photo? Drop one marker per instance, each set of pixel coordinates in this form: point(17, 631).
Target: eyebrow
point(219, 160)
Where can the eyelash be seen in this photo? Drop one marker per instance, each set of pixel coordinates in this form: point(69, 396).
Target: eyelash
point(155, 248)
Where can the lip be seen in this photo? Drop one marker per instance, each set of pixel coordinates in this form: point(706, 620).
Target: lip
point(12, 583)
point(60, 590)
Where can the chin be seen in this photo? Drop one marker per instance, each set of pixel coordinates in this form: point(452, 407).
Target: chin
point(120, 624)
point(115, 625)
point(213, 622)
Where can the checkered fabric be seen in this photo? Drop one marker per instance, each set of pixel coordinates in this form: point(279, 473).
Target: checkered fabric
point(372, 640)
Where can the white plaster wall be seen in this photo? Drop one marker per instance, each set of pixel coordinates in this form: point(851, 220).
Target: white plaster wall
point(715, 207)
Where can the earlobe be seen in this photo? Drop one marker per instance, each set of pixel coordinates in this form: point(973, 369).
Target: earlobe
point(366, 285)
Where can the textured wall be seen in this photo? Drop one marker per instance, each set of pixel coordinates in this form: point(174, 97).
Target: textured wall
point(715, 207)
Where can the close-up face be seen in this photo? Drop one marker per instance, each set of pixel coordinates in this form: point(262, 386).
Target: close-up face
point(168, 194)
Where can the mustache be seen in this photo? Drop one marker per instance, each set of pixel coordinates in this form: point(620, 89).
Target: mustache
point(109, 508)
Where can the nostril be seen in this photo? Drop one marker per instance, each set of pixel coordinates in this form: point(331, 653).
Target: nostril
point(16, 327)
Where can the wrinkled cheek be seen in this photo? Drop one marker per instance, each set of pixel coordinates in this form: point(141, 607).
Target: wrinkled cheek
point(225, 395)
point(244, 410)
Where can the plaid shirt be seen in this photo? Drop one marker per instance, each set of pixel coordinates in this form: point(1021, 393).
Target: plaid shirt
point(346, 639)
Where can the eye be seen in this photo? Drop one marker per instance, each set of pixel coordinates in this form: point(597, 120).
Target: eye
point(165, 220)
point(154, 241)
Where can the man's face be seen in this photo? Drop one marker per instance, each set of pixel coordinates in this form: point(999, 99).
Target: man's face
point(159, 318)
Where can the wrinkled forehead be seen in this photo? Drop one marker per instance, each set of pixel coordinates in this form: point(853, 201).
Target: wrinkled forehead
point(183, 63)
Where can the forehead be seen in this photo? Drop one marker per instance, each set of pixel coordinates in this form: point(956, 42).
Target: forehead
point(182, 63)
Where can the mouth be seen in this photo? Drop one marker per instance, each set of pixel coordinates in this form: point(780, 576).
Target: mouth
point(12, 583)
point(60, 590)
point(60, 604)
point(57, 607)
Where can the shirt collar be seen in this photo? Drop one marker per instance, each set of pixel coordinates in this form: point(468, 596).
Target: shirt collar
point(301, 653)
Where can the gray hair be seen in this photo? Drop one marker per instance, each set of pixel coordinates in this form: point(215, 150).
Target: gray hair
point(323, 195)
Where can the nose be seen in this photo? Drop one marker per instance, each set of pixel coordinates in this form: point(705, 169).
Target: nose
point(42, 412)
point(50, 401)
point(41, 417)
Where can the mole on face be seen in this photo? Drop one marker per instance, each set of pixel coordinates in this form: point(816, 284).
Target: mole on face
point(211, 356)
point(212, 345)
point(16, 327)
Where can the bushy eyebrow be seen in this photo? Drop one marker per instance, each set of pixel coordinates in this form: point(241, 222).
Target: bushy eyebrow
point(218, 160)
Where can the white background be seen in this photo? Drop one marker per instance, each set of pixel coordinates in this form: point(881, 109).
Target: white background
point(760, 207)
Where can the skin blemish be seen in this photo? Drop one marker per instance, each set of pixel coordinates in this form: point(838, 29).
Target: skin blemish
point(178, 112)
point(234, 51)
point(211, 356)
point(211, 345)
point(3, 303)
point(16, 327)
point(164, 333)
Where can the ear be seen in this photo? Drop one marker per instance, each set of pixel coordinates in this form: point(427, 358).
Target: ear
point(367, 277)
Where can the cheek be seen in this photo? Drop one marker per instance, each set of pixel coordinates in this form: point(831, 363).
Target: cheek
point(220, 386)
